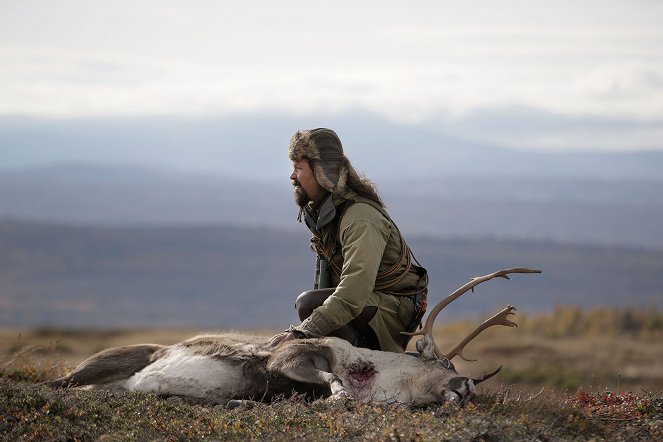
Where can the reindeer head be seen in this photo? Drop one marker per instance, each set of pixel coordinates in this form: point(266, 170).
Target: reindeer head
point(460, 389)
point(441, 383)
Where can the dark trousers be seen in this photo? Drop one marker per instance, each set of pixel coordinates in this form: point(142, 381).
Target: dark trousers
point(357, 332)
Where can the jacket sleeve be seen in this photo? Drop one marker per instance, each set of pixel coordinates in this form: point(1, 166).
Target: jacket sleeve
point(364, 233)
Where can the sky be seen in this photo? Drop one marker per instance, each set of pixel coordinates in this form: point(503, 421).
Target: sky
point(538, 75)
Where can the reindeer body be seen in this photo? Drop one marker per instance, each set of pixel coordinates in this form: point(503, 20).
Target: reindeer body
point(219, 368)
point(210, 368)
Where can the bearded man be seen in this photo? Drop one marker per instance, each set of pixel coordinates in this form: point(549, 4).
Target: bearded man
point(368, 288)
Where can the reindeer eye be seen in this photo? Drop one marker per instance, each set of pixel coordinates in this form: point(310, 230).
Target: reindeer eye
point(460, 396)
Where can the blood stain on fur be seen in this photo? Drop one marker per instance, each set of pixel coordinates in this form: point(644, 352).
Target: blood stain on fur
point(361, 374)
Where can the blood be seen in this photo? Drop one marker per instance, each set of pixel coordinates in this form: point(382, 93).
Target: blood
point(361, 374)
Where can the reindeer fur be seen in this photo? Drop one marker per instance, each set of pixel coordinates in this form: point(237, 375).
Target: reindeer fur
point(220, 368)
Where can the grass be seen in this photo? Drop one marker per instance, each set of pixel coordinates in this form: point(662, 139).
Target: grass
point(39, 413)
point(552, 387)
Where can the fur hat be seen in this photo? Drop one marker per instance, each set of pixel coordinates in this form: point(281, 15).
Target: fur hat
point(323, 149)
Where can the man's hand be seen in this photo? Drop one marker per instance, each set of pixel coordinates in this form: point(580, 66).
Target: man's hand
point(281, 338)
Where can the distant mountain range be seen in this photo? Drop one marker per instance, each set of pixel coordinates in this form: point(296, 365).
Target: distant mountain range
point(560, 209)
point(241, 277)
point(253, 146)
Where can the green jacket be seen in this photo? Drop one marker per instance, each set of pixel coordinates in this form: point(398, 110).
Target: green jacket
point(368, 244)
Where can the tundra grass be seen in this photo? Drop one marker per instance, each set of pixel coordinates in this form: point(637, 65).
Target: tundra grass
point(581, 387)
point(37, 413)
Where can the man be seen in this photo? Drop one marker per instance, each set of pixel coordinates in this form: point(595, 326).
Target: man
point(367, 290)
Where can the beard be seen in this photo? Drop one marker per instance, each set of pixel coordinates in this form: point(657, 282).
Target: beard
point(301, 197)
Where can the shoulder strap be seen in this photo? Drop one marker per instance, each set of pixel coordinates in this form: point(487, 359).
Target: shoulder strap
point(390, 277)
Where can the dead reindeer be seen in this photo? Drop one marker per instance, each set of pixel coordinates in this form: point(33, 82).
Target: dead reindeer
point(230, 367)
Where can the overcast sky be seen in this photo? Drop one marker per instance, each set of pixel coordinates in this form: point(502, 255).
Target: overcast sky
point(483, 67)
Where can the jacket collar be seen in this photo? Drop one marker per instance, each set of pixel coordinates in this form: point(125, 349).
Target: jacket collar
point(318, 217)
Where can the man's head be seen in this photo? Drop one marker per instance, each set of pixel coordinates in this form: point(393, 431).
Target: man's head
point(324, 152)
point(319, 152)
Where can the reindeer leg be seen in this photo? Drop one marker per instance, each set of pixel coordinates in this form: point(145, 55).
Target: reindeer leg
point(113, 364)
point(311, 364)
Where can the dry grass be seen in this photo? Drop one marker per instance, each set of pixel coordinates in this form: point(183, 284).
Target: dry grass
point(574, 372)
point(594, 363)
point(38, 413)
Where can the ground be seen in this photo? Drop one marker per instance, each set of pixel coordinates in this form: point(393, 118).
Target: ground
point(590, 387)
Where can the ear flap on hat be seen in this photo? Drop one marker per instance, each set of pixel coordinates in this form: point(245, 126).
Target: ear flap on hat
point(331, 180)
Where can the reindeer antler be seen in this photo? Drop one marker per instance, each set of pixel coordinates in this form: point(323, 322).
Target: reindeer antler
point(427, 347)
point(486, 376)
point(500, 318)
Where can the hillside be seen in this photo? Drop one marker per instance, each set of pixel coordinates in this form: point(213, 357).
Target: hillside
point(622, 212)
point(378, 146)
point(241, 277)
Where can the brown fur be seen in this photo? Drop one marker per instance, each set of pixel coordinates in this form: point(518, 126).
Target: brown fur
point(110, 365)
point(306, 359)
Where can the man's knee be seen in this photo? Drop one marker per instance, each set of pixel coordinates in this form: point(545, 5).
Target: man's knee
point(309, 301)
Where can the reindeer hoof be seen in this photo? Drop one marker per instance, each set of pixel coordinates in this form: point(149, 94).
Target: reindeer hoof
point(342, 394)
point(338, 392)
point(340, 397)
point(234, 403)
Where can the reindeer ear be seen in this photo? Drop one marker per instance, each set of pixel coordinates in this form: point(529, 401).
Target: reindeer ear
point(426, 348)
point(445, 363)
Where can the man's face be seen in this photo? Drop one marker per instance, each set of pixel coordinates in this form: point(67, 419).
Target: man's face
point(306, 187)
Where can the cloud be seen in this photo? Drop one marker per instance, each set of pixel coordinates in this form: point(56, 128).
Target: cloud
point(529, 128)
point(626, 83)
point(409, 63)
